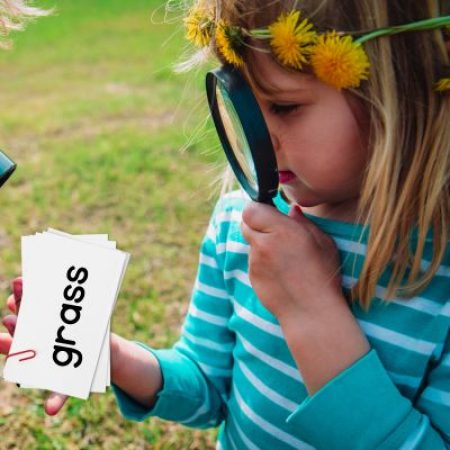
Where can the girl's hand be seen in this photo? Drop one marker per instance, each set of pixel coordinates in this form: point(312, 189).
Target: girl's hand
point(133, 368)
point(55, 401)
point(293, 265)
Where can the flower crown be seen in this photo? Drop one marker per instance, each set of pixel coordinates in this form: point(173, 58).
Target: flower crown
point(336, 58)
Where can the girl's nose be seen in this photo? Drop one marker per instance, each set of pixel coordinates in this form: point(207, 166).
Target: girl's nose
point(275, 142)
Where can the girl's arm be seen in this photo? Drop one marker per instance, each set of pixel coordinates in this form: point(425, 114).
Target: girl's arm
point(189, 382)
point(361, 407)
point(135, 370)
point(353, 401)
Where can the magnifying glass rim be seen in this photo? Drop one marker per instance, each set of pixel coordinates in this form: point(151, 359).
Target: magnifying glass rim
point(255, 129)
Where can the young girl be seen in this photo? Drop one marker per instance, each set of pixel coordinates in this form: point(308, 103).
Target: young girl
point(325, 322)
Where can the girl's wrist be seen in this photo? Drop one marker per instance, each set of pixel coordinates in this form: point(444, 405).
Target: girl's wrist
point(293, 317)
point(115, 354)
point(325, 344)
point(135, 370)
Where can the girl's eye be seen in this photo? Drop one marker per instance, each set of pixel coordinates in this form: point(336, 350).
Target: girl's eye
point(281, 110)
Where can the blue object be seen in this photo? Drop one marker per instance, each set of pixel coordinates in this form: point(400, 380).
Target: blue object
point(7, 167)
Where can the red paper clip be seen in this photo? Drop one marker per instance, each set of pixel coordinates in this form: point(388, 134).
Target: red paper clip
point(21, 353)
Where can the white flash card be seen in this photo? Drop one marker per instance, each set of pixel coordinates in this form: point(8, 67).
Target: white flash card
point(70, 287)
point(102, 376)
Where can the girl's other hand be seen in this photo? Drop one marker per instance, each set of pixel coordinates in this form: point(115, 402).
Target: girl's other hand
point(293, 265)
point(54, 401)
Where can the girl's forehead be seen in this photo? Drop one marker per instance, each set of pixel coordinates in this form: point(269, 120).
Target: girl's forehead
point(271, 78)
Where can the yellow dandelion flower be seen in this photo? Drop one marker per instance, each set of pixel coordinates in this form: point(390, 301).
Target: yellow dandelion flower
point(292, 40)
point(339, 61)
point(443, 85)
point(229, 41)
point(199, 26)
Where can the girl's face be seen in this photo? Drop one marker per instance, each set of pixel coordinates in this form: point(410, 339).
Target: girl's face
point(320, 139)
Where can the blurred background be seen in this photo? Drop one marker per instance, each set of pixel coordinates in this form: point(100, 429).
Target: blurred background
point(108, 139)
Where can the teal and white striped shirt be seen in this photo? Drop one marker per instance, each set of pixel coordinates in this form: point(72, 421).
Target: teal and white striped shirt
point(232, 367)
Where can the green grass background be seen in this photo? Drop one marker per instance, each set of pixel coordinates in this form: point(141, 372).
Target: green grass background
point(108, 140)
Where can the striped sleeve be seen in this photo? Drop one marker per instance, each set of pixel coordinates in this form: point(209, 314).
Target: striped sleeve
point(363, 397)
point(197, 369)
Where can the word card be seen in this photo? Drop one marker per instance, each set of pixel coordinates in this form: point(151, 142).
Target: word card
point(70, 287)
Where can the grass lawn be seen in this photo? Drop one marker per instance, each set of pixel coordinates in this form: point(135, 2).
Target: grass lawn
point(108, 140)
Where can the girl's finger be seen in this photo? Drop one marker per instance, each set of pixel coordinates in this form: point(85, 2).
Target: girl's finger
point(11, 303)
point(260, 217)
point(249, 234)
point(54, 403)
point(296, 213)
point(17, 288)
point(10, 323)
point(5, 343)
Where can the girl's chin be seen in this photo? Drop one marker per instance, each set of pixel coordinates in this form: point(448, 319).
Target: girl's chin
point(301, 200)
point(306, 204)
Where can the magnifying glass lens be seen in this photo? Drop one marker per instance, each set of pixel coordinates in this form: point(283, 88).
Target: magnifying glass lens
point(243, 133)
point(236, 136)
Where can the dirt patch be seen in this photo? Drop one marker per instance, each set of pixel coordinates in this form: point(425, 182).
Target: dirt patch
point(10, 397)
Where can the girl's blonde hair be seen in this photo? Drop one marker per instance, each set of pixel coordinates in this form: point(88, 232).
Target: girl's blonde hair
point(406, 188)
point(13, 16)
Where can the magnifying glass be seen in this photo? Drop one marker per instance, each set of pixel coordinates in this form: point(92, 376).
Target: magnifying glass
point(243, 133)
point(7, 167)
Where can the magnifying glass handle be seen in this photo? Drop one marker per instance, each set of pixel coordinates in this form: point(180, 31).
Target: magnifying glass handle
point(269, 202)
point(267, 197)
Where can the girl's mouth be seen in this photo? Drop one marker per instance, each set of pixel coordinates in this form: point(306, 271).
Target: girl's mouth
point(285, 176)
